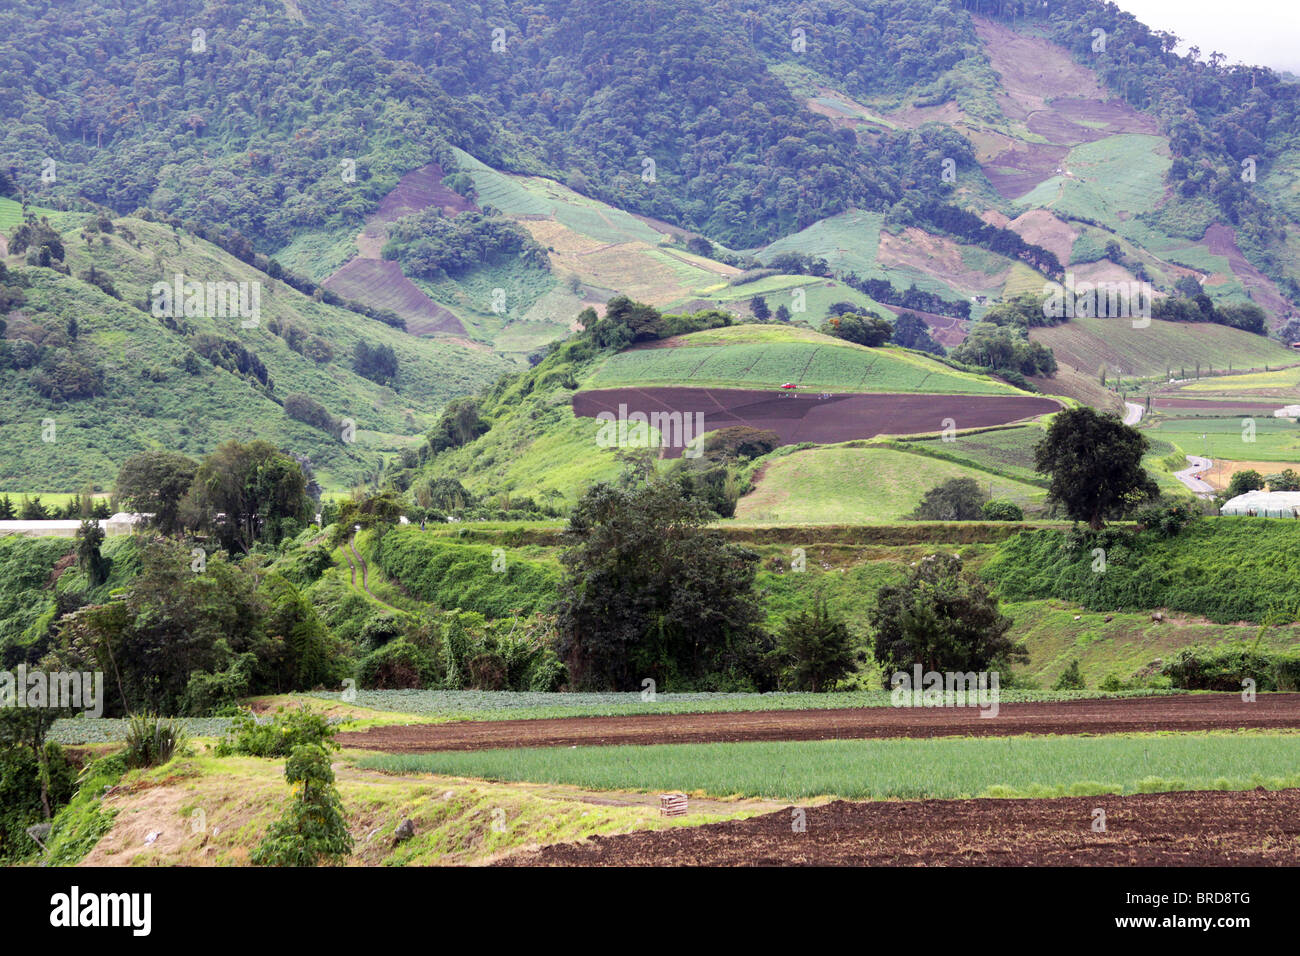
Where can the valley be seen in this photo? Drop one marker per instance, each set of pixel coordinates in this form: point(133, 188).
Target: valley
point(581, 434)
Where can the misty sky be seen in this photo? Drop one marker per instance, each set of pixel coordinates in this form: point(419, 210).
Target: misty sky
point(1255, 32)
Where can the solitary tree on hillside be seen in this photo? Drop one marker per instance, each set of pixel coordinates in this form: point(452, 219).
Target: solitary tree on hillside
point(1095, 463)
point(941, 619)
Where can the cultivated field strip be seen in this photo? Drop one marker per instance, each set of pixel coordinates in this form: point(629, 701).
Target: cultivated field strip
point(1119, 715)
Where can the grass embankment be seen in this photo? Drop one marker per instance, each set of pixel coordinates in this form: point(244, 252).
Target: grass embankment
point(207, 810)
point(896, 769)
point(1225, 569)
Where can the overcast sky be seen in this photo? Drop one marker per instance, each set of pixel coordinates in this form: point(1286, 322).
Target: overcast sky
point(1255, 32)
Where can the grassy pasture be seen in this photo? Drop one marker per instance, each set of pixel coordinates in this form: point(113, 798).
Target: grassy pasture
point(1275, 439)
point(734, 358)
point(832, 485)
point(895, 769)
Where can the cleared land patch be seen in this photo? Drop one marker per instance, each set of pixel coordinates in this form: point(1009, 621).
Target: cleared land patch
point(1167, 829)
point(808, 418)
point(838, 485)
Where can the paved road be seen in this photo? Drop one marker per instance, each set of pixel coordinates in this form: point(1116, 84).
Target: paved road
point(1133, 413)
point(1188, 476)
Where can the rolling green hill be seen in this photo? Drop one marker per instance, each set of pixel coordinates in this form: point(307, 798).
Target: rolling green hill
point(121, 380)
point(760, 356)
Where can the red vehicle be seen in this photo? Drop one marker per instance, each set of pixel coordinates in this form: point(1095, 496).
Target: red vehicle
point(789, 385)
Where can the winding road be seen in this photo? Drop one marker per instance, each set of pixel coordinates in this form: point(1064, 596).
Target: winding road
point(1190, 476)
point(1133, 413)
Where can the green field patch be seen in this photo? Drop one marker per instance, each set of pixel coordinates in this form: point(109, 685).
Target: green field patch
point(1159, 350)
point(839, 484)
point(1238, 438)
point(950, 768)
point(732, 358)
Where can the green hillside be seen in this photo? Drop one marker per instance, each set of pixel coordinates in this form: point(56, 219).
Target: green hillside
point(121, 380)
point(1160, 348)
point(764, 356)
point(850, 485)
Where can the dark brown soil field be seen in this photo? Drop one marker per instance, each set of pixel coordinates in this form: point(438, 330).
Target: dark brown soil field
point(1209, 828)
point(1114, 715)
point(380, 283)
point(417, 190)
point(800, 417)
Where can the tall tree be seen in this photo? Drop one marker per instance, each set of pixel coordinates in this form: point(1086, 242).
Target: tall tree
point(1095, 463)
point(155, 482)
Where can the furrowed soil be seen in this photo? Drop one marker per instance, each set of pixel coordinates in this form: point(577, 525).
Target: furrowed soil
point(1103, 716)
point(807, 417)
point(1198, 828)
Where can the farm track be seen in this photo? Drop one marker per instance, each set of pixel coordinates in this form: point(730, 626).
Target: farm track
point(1104, 716)
point(1196, 828)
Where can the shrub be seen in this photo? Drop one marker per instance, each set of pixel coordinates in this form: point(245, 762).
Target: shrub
point(957, 499)
point(1225, 667)
point(1070, 678)
point(313, 825)
point(1002, 511)
point(397, 665)
point(152, 741)
point(278, 736)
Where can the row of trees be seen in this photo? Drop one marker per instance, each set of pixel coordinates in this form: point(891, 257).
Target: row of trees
point(240, 493)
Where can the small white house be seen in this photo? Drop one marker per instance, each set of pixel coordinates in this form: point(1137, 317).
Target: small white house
point(1287, 411)
point(1264, 504)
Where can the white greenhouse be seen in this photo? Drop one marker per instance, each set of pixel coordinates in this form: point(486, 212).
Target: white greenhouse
point(1264, 504)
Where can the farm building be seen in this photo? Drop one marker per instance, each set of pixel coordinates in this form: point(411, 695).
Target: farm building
point(1287, 411)
point(1264, 504)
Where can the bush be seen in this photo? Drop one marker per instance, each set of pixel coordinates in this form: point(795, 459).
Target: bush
point(278, 736)
point(957, 499)
point(1070, 678)
point(397, 665)
point(152, 741)
point(313, 825)
point(1002, 511)
point(1226, 666)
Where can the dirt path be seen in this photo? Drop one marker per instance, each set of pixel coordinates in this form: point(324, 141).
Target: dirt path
point(1133, 413)
point(1251, 828)
point(1114, 715)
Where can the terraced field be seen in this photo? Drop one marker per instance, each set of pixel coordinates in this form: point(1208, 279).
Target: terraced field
point(1159, 349)
point(737, 357)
